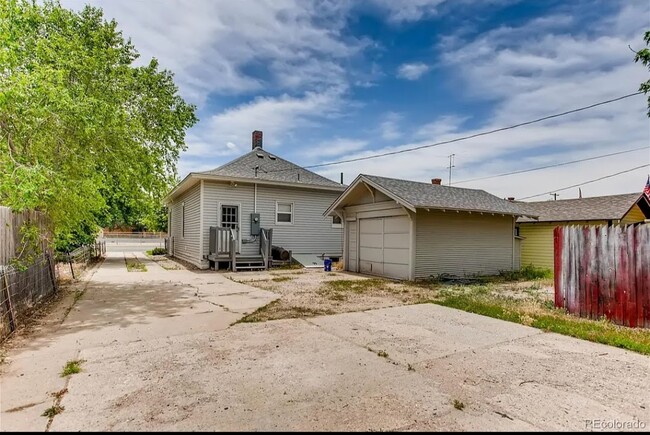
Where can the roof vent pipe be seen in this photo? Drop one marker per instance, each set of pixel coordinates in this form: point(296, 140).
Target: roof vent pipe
point(511, 198)
point(437, 181)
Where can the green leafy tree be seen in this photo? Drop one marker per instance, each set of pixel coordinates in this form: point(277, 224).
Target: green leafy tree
point(643, 55)
point(86, 134)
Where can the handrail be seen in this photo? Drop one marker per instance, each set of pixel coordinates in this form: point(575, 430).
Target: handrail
point(264, 243)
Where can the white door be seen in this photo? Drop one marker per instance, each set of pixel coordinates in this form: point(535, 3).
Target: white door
point(229, 218)
point(384, 246)
point(352, 246)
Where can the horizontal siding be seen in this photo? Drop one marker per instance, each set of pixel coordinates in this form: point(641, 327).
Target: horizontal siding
point(187, 248)
point(220, 193)
point(310, 233)
point(537, 246)
point(633, 216)
point(462, 243)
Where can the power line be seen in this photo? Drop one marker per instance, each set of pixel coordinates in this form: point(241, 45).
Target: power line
point(553, 165)
point(550, 192)
point(459, 139)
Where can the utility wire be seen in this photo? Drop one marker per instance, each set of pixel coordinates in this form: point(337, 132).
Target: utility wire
point(553, 165)
point(459, 139)
point(586, 182)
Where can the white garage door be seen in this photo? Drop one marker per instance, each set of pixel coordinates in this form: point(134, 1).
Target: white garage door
point(384, 246)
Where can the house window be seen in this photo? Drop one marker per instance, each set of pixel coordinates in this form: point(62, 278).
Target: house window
point(337, 222)
point(183, 221)
point(284, 213)
point(230, 216)
point(516, 231)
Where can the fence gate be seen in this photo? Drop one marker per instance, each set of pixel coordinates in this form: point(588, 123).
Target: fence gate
point(604, 271)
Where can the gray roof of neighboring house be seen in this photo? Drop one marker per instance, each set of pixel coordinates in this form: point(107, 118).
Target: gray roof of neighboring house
point(426, 195)
point(270, 168)
point(611, 207)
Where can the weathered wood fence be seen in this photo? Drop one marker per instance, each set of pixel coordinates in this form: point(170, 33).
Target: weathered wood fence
point(604, 271)
point(11, 223)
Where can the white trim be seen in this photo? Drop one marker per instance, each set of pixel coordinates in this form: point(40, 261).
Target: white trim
point(231, 204)
point(412, 245)
point(293, 212)
point(201, 237)
point(189, 180)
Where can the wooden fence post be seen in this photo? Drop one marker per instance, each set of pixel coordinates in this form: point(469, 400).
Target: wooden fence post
point(70, 263)
point(8, 306)
point(51, 266)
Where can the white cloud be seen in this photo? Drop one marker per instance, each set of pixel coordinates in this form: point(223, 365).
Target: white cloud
point(523, 73)
point(212, 46)
point(334, 147)
point(408, 10)
point(389, 127)
point(412, 71)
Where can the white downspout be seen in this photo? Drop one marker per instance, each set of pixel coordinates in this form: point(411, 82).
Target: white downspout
point(255, 200)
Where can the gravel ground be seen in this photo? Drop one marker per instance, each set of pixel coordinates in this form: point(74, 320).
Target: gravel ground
point(310, 292)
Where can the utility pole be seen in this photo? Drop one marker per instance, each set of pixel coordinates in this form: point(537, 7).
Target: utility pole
point(554, 195)
point(451, 165)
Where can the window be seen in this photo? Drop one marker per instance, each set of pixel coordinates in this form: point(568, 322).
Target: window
point(183, 221)
point(337, 222)
point(229, 216)
point(516, 231)
point(284, 213)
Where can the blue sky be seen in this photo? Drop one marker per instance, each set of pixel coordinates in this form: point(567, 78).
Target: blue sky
point(332, 80)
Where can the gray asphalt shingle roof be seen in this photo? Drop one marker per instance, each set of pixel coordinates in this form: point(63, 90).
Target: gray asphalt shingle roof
point(271, 168)
point(610, 207)
point(426, 195)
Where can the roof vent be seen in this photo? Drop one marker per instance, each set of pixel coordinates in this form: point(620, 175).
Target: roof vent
point(272, 157)
point(260, 155)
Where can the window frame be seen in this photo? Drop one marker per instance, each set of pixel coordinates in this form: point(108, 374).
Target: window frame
point(292, 213)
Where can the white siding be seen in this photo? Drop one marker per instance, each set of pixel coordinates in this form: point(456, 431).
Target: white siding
point(351, 262)
point(310, 232)
point(187, 248)
point(462, 243)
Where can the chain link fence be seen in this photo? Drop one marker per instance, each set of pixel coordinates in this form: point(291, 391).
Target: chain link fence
point(22, 289)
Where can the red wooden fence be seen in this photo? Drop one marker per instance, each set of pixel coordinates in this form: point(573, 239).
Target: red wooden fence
point(604, 271)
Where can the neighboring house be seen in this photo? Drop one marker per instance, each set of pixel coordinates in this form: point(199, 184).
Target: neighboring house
point(537, 245)
point(257, 190)
point(407, 230)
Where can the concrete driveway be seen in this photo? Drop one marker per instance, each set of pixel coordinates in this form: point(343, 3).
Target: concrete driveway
point(159, 355)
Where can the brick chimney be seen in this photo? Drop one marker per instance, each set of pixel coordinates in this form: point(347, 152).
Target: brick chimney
point(257, 139)
point(437, 181)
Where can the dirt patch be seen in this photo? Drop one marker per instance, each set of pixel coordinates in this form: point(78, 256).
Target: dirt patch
point(168, 263)
point(313, 292)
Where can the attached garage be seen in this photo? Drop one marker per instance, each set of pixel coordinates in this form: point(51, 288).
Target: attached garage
point(407, 230)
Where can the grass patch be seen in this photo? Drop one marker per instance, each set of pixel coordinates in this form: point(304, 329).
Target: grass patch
point(459, 405)
point(410, 368)
point(382, 353)
point(156, 251)
point(52, 411)
point(133, 265)
point(541, 315)
point(71, 367)
point(526, 273)
point(281, 278)
point(356, 285)
point(281, 310)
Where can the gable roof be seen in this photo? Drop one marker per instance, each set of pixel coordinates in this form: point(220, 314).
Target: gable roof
point(413, 195)
point(610, 207)
point(270, 168)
